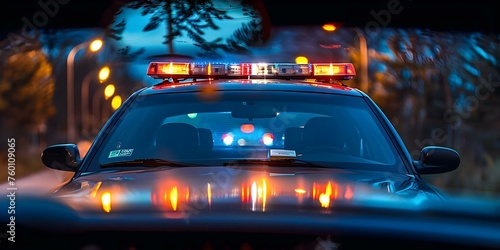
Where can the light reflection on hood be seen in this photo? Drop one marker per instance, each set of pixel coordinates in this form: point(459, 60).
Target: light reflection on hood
point(178, 190)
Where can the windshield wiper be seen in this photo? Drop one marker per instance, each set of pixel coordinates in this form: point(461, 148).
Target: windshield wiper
point(276, 163)
point(146, 163)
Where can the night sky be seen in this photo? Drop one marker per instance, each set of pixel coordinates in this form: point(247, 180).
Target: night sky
point(478, 15)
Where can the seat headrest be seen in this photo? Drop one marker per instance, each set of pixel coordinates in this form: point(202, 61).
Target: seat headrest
point(177, 140)
point(321, 131)
point(206, 139)
point(293, 138)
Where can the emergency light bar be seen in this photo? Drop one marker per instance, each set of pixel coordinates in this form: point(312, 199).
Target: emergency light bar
point(179, 70)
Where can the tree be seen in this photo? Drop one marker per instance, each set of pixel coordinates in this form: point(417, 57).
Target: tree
point(422, 63)
point(180, 17)
point(249, 34)
point(482, 74)
point(26, 91)
point(28, 87)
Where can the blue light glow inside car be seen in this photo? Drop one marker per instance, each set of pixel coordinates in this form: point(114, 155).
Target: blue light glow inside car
point(244, 136)
point(228, 139)
point(268, 139)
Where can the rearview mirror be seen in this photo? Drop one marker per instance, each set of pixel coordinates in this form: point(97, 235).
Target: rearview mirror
point(64, 157)
point(434, 160)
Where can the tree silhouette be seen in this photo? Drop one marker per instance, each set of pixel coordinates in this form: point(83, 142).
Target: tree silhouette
point(482, 72)
point(26, 92)
point(250, 34)
point(116, 30)
point(180, 17)
point(422, 62)
point(440, 88)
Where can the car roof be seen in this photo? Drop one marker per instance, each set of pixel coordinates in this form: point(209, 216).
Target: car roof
point(252, 85)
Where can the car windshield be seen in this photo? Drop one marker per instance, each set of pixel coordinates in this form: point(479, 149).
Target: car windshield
point(329, 129)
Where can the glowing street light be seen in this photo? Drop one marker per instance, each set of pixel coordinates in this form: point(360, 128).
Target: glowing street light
point(116, 102)
point(109, 91)
point(301, 60)
point(93, 46)
point(103, 75)
point(329, 27)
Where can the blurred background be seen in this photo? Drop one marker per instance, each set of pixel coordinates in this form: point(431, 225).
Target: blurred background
point(66, 66)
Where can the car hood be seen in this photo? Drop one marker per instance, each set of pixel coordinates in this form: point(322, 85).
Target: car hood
point(212, 202)
point(223, 189)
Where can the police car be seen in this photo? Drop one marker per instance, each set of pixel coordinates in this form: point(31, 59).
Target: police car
point(217, 114)
point(230, 146)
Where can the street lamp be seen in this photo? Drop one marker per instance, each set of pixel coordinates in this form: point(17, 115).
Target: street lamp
point(94, 46)
point(109, 91)
point(363, 54)
point(363, 57)
point(301, 60)
point(116, 102)
point(103, 76)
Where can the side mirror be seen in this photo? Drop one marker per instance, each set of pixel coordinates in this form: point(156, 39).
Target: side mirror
point(64, 157)
point(435, 160)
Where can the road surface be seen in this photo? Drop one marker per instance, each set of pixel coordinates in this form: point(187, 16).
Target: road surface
point(38, 183)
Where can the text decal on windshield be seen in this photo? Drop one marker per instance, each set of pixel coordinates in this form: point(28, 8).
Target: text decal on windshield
point(120, 153)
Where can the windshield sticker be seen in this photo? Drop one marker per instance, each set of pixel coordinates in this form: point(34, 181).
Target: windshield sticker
point(120, 153)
